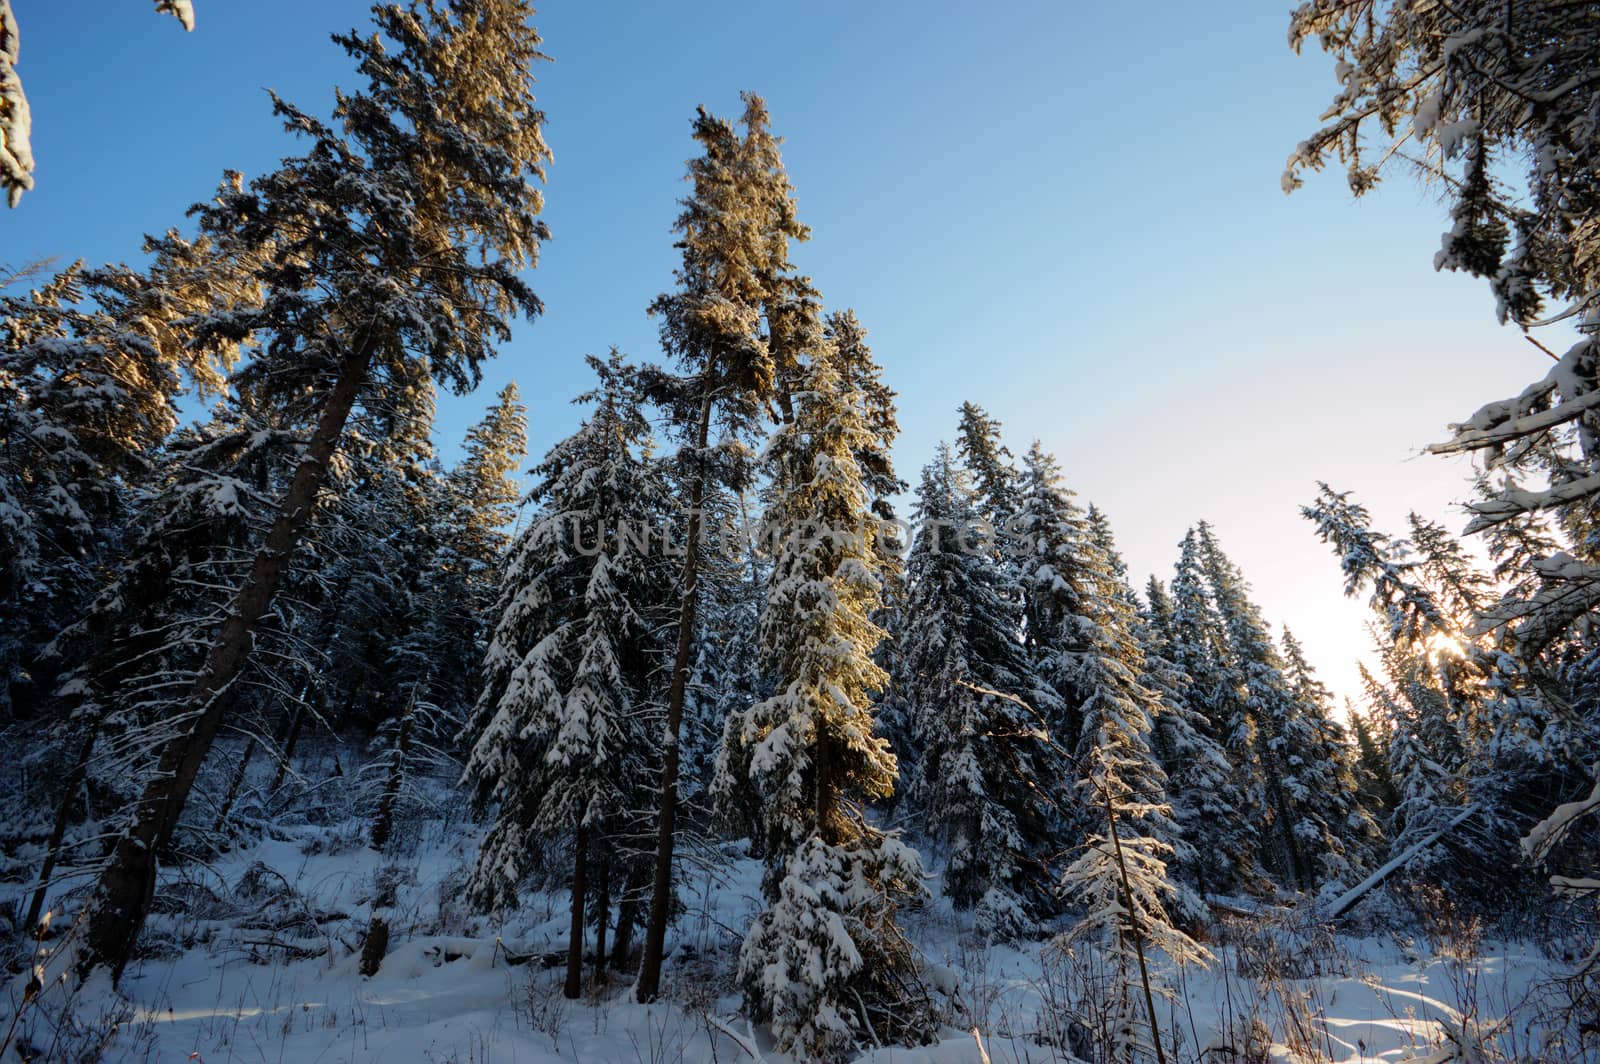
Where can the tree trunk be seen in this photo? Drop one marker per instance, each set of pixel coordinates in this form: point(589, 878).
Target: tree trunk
point(383, 823)
point(627, 916)
point(655, 937)
point(58, 832)
point(122, 894)
point(1134, 929)
point(827, 796)
point(375, 947)
point(602, 918)
point(286, 751)
point(233, 788)
point(1292, 860)
point(580, 890)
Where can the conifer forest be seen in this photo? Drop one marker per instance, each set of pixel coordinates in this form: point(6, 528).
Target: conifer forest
point(731, 725)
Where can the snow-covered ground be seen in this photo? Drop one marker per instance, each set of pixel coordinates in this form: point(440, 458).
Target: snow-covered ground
point(255, 956)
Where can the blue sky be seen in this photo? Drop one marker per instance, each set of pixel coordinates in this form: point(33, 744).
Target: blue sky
point(1067, 213)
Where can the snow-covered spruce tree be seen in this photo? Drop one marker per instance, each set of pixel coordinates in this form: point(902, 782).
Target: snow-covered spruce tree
point(432, 663)
point(825, 961)
point(1371, 732)
point(735, 651)
point(735, 231)
point(1197, 644)
point(1055, 542)
point(1294, 829)
point(730, 672)
point(1084, 638)
point(1476, 717)
point(128, 660)
point(89, 376)
point(987, 781)
point(1430, 694)
point(16, 122)
point(1197, 772)
point(91, 365)
point(1528, 745)
point(844, 332)
point(80, 408)
point(1121, 785)
point(561, 735)
point(1199, 776)
point(388, 254)
point(482, 493)
point(987, 459)
point(996, 488)
point(860, 369)
point(1120, 880)
point(1427, 647)
point(1337, 828)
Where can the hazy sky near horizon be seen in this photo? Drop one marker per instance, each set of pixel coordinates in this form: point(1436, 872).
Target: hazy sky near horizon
point(1067, 213)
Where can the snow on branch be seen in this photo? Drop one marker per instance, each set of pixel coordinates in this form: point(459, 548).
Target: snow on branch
point(1515, 428)
point(1538, 843)
point(16, 152)
point(1513, 502)
point(182, 10)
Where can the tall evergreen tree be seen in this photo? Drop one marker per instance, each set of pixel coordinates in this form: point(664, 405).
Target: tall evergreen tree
point(735, 231)
point(823, 962)
point(980, 716)
point(1372, 746)
point(1199, 776)
point(387, 254)
point(1320, 775)
point(90, 375)
point(1263, 717)
point(1120, 880)
point(1121, 783)
point(561, 735)
point(1459, 79)
point(983, 452)
point(432, 662)
point(1231, 845)
point(1478, 714)
point(1053, 562)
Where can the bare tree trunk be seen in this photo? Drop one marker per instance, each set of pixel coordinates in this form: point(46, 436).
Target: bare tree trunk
point(627, 917)
point(1134, 930)
point(123, 892)
point(603, 917)
point(1292, 861)
point(375, 947)
point(383, 823)
point(580, 889)
point(655, 937)
point(286, 751)
point(58, 831)
point(233, 787)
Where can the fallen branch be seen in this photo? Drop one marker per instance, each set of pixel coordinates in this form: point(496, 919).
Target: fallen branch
point(1360, 890)
point(746, 1042)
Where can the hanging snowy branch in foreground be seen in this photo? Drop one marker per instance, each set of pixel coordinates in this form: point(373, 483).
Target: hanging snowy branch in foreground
point(16, 126)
